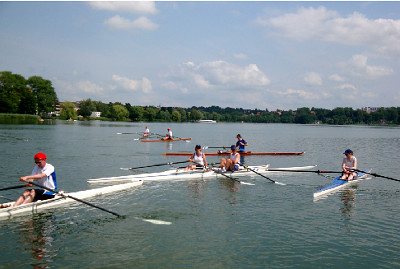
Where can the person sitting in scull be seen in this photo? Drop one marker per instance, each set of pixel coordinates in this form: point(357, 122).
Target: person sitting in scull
point(198, 158)
point(232, 162)
point(45, 175)
point(168, 136)
point(349, 163)
point(146, 132)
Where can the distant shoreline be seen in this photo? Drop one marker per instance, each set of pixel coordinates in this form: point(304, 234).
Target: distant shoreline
point(6, 118)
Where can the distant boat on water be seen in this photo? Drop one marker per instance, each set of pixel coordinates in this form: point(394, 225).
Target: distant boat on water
point(206, 121)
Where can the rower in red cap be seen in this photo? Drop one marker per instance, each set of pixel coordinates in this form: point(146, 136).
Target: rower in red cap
point(168, 136)
point(44, 174)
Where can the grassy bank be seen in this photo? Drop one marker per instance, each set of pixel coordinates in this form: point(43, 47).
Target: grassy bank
point(7, 116)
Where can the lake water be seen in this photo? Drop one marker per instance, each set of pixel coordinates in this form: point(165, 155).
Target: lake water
point(214, 223)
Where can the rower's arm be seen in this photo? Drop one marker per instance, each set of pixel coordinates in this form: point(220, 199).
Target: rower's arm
point(31, 178)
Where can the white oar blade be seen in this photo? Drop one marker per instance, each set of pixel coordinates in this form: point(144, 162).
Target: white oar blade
point(279, 183)
point(158, 222)
point(246, 183)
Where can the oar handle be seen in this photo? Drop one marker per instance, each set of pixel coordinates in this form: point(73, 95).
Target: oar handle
point(74, 198)
point(14, 187)
point(376, 175)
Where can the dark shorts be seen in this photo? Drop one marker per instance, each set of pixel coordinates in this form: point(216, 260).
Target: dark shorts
point(40, 196)
point(235, 168)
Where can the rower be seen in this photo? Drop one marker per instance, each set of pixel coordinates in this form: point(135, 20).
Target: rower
point(45, 175)
point(168, 136)
point(232, 162)
point(146, 132)
point(348, 165)
point(241, 143)
point(198, 158)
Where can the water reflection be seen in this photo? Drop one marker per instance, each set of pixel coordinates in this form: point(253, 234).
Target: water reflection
point(36, 238)
point(347, 197)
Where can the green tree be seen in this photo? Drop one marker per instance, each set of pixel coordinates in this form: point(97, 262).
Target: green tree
point(136, 113)
point(120, 113)
point(183, 114)
point(68, 111)
point(28, 103)
point(195, 115)
point(176, 116)
point(12, 89)
point(44, 92)
point(150, 113)
point(86, 107)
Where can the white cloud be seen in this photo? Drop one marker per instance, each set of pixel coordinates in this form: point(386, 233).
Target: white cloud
point(216, 75)
point(298, 94)
point(142, 23)
point(347, 86)
point(313, 78)
point(136, 7)
point(89, 87)
point(336, 77)
point(143, 85)
point(240, 56)
point(358, 66)
point(382, 35)
point(221, 72)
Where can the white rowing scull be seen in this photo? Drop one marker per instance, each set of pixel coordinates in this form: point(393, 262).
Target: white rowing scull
point(180, 174)
point(60, 200)
point(338, 184)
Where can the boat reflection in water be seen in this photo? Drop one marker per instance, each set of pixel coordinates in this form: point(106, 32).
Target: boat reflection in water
point(37, 238)
point(348, 197)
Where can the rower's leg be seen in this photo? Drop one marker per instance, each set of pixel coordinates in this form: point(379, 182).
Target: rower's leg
point(26, 197)
point(223, 162)
point(229, 165)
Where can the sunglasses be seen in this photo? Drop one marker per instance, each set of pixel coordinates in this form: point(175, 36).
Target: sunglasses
point(38, 161)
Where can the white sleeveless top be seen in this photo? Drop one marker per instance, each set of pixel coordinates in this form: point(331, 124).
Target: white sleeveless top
point(198, 159)
point(233, 157)
point(349, 163)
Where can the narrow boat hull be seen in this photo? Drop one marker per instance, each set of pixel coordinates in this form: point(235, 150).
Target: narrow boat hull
point(241, 153)
point(179, 174)
point(57, 201)
point(165, 140)
point(338, 184)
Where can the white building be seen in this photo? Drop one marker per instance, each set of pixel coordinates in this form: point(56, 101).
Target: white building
point(95, 114)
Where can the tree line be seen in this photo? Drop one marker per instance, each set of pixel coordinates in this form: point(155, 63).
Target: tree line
point(304, 115)
point(37, 96)
point(34, 95)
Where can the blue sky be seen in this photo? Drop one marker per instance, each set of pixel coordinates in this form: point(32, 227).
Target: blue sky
point(274, 55)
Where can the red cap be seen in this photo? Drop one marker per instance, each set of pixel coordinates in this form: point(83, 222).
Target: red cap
point(40, 156)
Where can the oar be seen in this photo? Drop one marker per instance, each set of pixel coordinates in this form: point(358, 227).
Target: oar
point(74, 198)
point(14, 187)
point(376, 175)
point(276, 182)
point(230, 177)
point(128, 133)
point(1, 196)
point(222, 147)
point(146, 166)
point(304, 171)
point(225, 175)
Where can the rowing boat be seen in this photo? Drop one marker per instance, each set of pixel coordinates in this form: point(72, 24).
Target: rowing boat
point(241, 153)
point(338, 184)
point(60, 200)
point(165, 140)
point(180, 174)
